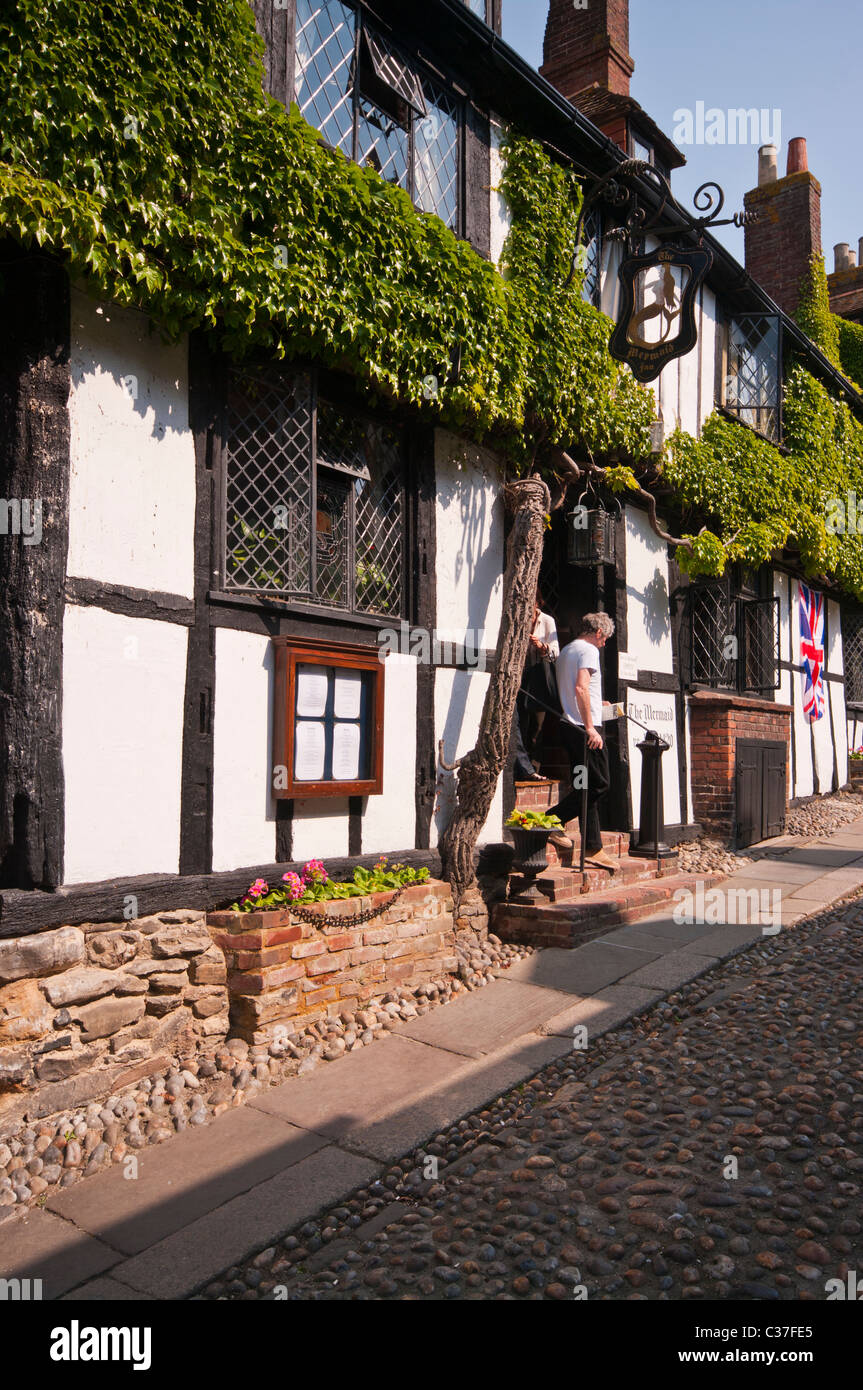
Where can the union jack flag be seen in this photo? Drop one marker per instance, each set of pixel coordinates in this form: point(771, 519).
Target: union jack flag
point(812, 652)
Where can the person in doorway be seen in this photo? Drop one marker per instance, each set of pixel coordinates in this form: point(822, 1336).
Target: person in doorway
point(579, 682)
point(538, 678)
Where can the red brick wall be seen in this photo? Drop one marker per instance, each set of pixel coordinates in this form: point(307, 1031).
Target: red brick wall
point(586, 46)
point(846, 292)
point(787, 234)
point(716, 723)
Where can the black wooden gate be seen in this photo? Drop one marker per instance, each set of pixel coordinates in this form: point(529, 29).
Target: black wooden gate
point(760, 790)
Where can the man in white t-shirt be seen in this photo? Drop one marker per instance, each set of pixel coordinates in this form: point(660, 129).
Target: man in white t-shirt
point(579, 681)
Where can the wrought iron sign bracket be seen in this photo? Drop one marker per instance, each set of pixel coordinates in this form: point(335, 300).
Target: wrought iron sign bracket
point(656, 320)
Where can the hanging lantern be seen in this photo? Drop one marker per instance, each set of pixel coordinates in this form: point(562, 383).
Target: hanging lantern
point(591, 536)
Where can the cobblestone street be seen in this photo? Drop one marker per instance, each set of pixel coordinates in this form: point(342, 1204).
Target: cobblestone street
point(611, 1174)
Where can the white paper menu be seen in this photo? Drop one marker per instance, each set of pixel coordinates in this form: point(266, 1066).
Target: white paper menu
point(312, 687)
point(348, 694)
point(309, 751)
point(346, 752)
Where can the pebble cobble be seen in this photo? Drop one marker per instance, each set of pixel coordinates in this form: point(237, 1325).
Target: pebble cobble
point(609, 1175)
point(59, 1151)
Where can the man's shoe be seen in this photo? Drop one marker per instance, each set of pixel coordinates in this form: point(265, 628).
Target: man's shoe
point(601, 860)
point(560, 841)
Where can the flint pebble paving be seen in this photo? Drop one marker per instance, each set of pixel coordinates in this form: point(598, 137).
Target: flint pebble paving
point(609, 1175)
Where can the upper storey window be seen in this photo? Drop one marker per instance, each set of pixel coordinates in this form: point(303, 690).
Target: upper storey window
point(369, 101)
point(751, 384)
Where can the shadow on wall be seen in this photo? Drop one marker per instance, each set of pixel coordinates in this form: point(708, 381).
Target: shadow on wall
point(477, 564)
point(149, 382)
point(655, 604)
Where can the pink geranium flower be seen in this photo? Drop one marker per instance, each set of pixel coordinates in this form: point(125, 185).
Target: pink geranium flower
point(314, 872)
point(259, 889)
point(294, 885)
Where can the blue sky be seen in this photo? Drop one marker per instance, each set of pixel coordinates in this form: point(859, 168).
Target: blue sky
point(800, 59)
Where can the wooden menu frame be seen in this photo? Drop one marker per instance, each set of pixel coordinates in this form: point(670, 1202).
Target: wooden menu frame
point(291, 652)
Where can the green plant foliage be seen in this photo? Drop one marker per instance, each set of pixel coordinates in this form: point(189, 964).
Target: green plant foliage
point(813, 311)
point(851, 350)
point(138, 144)
point(767, 498)
point(322, 889)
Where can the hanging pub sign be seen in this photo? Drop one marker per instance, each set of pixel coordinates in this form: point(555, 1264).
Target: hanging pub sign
point(656, 322)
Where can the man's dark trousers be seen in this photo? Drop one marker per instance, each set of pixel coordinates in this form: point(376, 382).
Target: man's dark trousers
point(595, 760)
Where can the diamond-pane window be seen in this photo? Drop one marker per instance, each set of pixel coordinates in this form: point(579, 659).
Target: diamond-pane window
point(436, 142)
point(326, 529)
point(383, 144)
point(591, 255)
point(369, 101)
point(752, 382)
point(852, 656)
point(268, 455)
point(326, 41)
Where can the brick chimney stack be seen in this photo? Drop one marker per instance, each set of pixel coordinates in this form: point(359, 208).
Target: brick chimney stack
point(780, 245)
point(587, 46)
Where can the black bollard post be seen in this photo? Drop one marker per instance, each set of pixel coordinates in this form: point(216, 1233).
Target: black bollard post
point(651, 821)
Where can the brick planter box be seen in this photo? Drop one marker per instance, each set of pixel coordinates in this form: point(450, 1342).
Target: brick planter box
point(718, 720)
point(283, 971)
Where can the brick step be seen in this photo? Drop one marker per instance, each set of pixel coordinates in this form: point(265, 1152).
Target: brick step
point(565, 884)
point(591, 915)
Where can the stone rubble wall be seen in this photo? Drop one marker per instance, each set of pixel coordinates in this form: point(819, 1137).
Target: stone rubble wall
point(86, 1010)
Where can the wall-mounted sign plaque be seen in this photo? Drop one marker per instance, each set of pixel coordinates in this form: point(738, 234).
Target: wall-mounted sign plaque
point(656, 322)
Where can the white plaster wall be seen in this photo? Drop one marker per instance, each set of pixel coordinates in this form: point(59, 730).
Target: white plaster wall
point(459, 697)
point(321, 828)
point(123, 689)
point(647, 605)
point(243, 806)
point(132, 490)
point(389, 821)
point(687, 383)
point(656, 711)
point(469, 562)
point(501, 219)
point(708, 344)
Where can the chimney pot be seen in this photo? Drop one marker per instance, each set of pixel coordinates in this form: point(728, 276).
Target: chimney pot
point(798, 161)
point(768, 167)
point(841, 257)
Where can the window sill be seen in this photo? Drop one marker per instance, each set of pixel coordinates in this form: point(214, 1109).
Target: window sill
point(735, 419)
point(269, 603)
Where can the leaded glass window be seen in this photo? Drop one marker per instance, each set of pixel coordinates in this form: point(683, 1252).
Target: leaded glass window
point(751, 388)
point(852, 656)
point(370, 102)
point(314, 498)
point(591, 255)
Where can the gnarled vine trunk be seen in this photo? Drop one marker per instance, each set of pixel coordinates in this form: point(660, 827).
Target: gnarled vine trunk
point(480, 769)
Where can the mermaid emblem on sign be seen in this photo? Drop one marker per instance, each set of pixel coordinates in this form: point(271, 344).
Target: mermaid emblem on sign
point(665, 308)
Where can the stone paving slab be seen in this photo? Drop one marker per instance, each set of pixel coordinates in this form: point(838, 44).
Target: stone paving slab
point(181, 1180)
point(821, 857)
point(584, 970)
point(40, 1245)
point(770, 871)
point(672, 971)
point(725, 939)
point(105, 1290)
point(177, 1266)
point(472, 1088)
point(602, 1011)
point(369, 1084)
point(656, 934)
point(489, 1018)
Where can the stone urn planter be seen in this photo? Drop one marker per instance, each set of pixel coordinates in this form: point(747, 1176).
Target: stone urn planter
point(531, 857)
point(290, 966)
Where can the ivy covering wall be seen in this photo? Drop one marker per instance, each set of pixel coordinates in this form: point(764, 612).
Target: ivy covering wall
point(137, 144)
